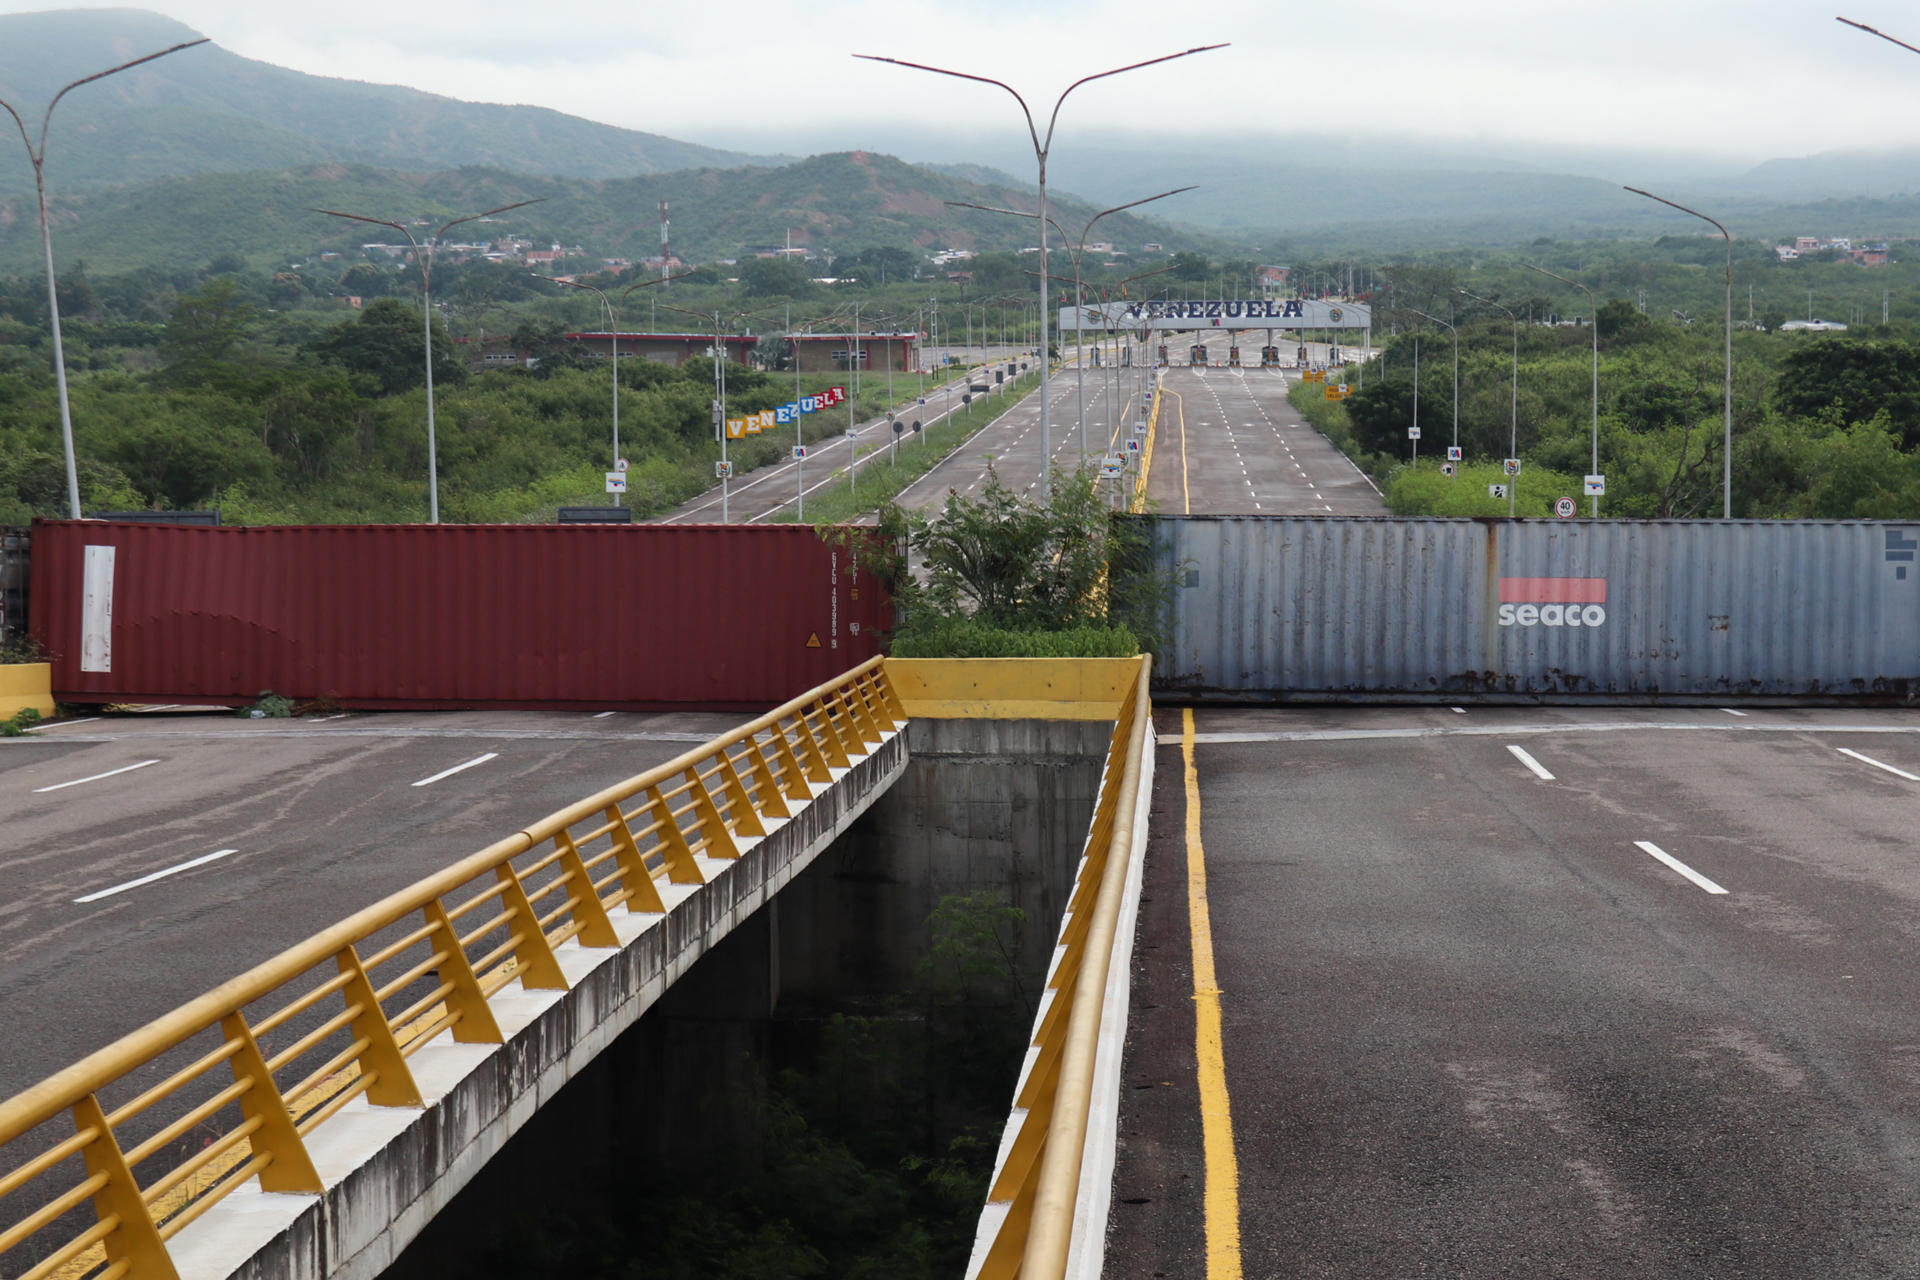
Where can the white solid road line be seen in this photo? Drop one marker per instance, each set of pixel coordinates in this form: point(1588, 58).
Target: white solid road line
point(58, 786)
point(603, 715)
point(188, 865)
point(1647, 846)
point(1879, 764)
point(1730, 711)
point(1531, 763)
point(61, 724)
point(448, 773)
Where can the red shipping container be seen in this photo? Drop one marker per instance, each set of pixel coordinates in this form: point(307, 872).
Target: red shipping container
point(442, 616)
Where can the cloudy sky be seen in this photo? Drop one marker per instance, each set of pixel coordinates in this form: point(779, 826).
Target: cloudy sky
point(1741, 79)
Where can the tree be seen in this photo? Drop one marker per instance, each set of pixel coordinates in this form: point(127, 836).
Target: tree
point(1192, 267)
point(1855, 381)
point(385, 343)
point(205, 330)
point(364, 280)
point(773, 278)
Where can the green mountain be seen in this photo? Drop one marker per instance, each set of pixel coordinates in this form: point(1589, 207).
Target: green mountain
point(205, 110)
point(835, 203)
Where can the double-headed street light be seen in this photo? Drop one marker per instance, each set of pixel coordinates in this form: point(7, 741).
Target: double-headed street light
point(613, 336)
point(1726, 486)
point(1595, 304)
point(1448, 325)
point(1513, 430)
point(1041, 147)
point(37, 156)
point(423, 258)
point(1076, 254)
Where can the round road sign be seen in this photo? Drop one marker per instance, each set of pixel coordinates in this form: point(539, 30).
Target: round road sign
point(1564, 508)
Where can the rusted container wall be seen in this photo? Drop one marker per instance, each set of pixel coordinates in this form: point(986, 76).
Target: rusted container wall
point(452, 615)
point(1270, 608)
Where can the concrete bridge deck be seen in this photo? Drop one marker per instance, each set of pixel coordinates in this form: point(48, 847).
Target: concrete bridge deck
point(1652, 1015)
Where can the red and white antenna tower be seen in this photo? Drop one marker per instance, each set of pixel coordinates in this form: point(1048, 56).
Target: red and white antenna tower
point(665, 256)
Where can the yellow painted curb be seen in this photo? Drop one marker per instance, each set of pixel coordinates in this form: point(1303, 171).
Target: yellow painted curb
point(23, 685)
point(1012, 688)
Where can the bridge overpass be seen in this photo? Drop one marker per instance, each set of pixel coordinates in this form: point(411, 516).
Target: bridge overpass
point(1462, 987)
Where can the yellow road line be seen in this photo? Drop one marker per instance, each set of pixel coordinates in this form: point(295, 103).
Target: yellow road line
point(1222, 1198)
point(1186, 496)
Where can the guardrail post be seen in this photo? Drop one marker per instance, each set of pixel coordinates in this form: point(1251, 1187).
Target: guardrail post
point(1005, 1254)
point(719, 840)
point(819, 768)
point(533, 959)
point(136, 1240)
point(891, 694)
point(596, 929)
point(859, 715)
point(475, 1023)
point(288, 1167)
point(681, 868)
point(390, 1083)
point(834, 742)
point(772, 803)
point(746, 818)
point(635, 878)
point(798, 776)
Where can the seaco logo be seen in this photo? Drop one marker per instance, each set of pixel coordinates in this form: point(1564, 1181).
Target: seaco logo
point(1553, 602)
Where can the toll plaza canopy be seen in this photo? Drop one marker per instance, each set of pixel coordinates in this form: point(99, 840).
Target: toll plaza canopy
point(826, 352)
point(1230, 313)
point(667, 348)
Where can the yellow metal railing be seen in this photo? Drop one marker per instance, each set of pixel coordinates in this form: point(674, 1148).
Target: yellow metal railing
point(1038, 1181)
point(229, 1088)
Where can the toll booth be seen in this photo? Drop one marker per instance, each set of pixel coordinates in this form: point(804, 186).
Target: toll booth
point(1197, 357)
point(1099, 357)
point(1233, 357)
point(1160, 353)
point(1301, 355)
point(1269, 357)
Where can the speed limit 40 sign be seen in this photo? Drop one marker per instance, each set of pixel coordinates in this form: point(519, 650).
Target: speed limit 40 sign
point(1564, 508)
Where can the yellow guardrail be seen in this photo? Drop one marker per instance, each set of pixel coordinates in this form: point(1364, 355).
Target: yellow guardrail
point(1139, 503)
point(1038, 1181)
point(250, 1070)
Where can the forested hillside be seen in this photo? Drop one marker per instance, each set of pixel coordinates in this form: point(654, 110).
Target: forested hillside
point(830, 204)
point(205, 110)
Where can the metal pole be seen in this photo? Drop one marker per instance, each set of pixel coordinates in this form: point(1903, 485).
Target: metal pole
point(1416, 397)
point(38, 157)
point(1594, 304)
point(1513, 430)
point(1726, 484)
point(424, 259)
point(799, 437)
point(1041, 147)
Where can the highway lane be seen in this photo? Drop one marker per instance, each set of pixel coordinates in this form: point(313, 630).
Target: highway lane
point(1228, 443)
point(321, 817)
point(1639, 1001)
point(766, 492)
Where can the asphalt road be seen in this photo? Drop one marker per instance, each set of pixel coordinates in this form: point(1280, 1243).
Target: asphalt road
point(318, 817)
point(766, 492)
point(1474, 1026)
point(1228, 443)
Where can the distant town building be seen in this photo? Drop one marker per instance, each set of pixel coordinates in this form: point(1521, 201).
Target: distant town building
point(666, 348)
point(833, 352)
point(1866, 254)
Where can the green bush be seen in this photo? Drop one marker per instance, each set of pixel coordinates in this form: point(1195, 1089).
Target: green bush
point(971, 638)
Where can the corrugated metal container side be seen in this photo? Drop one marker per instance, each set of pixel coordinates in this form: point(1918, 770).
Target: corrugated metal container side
point(1277, 607)
point(718, 616)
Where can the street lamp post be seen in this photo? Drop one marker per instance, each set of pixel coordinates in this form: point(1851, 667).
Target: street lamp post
point(1041, 148)
point(1513, 428)
point(613, 337)
point(1594, 303)
point(1456, 369)
point(37, 156)
point(1075, 254)
point(1726, 448)
point(423, 258)
point(720, 390)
